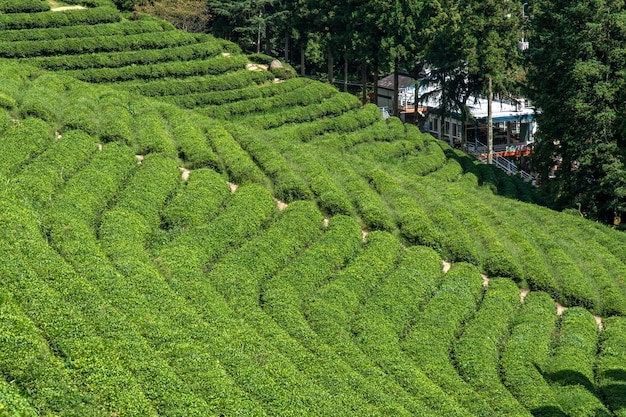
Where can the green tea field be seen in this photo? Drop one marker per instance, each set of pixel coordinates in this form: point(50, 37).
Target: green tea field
point(185, 232)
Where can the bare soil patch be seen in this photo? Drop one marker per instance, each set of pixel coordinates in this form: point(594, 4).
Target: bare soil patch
point(364, 234)
point(326, 222)
point(64, 8)
point(184, 173)
point(281, 204)
point(233, 187)
point(446, 266)
point(523, 292)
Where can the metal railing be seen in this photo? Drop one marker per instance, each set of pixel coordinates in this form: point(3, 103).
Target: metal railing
point(480, 150)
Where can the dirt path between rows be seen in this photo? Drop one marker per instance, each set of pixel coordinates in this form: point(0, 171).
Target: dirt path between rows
point(64, 8)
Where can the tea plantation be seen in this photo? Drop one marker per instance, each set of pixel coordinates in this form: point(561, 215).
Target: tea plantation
point(184, 232)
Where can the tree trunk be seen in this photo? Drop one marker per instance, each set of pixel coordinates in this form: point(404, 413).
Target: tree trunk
point(345, 74)
point(376, 81)
point(302, 60)
point(396, 89)
point(258, 37)
point(268, 49)
point(331, 65)
point(286, 45)
point(364, 81)
point(489, 121)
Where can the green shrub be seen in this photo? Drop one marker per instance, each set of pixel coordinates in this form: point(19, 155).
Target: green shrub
point(94, 16)
point(238, 163)
point(151, 132)
point(288, 186)
point(23, 6)
point(222, 82)
point(477, 352)
point(611, 364)
point(85, 31)
point(21, 141)
point(120, 59)
point(526, 353)
point(200, 201)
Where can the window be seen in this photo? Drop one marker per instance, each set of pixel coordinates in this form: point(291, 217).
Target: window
point(447, 131)
point(454, 130)
point(436, 123)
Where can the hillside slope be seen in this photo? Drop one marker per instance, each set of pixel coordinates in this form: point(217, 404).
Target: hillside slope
point(195, 235)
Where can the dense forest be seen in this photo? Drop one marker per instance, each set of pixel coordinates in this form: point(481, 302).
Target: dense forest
point(572, 72)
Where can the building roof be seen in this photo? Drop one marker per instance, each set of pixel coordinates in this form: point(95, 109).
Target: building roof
point(403, 82)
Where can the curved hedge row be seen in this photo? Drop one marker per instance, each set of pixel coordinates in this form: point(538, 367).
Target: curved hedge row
point(240, 166)
point(192, 144)
point(611, 364)
point(308, 94)
point(526, 354)
point(151, 132)
point(238, 93)
point(429, 342)
point(86, 31)
point(98, 15)
point(415, 225)
point(23, 6)
point(168, 90)
point(21, 141)
point(571, 368)
point(335, 105)
point(152, 40)
point(48, 172)
point(349, 121)
point(288, 186)
point(120, 59)
point(200, 200)
point(478, 355)
point(211, 66)
point(370, 207)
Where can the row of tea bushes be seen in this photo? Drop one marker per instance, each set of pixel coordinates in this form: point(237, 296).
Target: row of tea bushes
point(478, 357)
point(526, 353)
point(240, 166)
point(193, 145)
point(23, 6)
point(288, 186)
point(22, 140)
point(571, 368)
point(200, 200)
point(152, 40)
point(330, 196)
point(151, 133)
point(120, 59)
point(414, 224)
point(354, 120)
point(15, 21)
point(430, 340)
point(210, 66)
point(333, 106)
point(238, 93)
point(307, 94)
point(611, 364)
point(86, 31)
point(48, 172)
point(170, 90)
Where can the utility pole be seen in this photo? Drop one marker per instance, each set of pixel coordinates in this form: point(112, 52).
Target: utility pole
point(489, 121)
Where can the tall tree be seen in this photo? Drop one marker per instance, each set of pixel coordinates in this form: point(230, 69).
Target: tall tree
point(493, 29)
point(577, 80)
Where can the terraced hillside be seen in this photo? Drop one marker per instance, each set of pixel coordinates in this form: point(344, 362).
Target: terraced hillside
point(191, 234)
